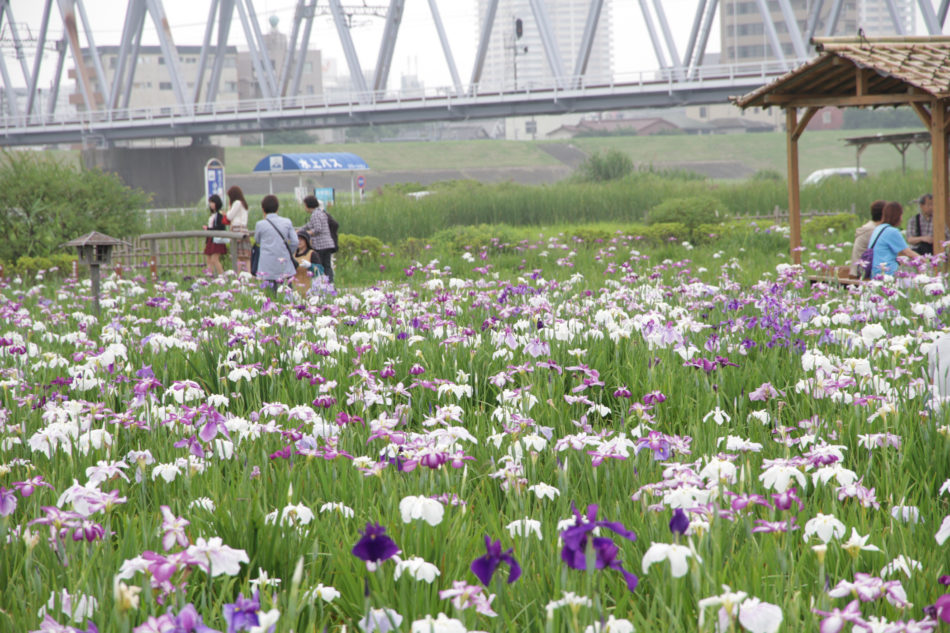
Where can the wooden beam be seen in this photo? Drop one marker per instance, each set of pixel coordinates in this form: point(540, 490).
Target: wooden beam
point(938, 136)
point(860, 82)
point(806, 100)
point(806, 119)
point(923, 113)
point(794, 207)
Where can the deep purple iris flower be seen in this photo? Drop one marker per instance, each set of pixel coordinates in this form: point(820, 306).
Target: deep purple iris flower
point(576, 539)
point(375, 546)
point(680, 522)
point(484, 566)
point(241, 615)
point(941, 609)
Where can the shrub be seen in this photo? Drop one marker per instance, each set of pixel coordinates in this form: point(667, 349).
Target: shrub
point(359, 248)
point(611, 165)
point(27, 267)
point(839, 222)
point(768, 175)
point(689, 211)
point(44, 203)
point(463, 238)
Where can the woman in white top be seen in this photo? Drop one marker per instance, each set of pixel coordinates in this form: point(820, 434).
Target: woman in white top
point(237, 215)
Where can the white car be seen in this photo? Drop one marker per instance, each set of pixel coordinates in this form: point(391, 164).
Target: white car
point(818, 177)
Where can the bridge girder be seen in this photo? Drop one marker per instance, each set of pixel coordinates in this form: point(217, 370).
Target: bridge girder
point(24, 122)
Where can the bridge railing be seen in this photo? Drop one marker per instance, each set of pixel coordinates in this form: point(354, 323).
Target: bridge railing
point(674, 78)
point(181, 251)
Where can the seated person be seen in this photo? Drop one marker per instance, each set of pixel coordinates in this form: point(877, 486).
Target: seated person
point(862, 236)
point(308, 264)
point(887, 241)
point(920, 229)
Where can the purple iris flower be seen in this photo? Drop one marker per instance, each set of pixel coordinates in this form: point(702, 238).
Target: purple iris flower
point(784, 500)
point(576, 539)
point(145, 372)
point(484, 567)
point(241, 615)
point(189, 621)
point(941, 609)
point(7, 502)
point(680, 522)
point(374, 546)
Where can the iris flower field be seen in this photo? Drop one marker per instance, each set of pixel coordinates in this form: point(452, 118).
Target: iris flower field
point(595, 440)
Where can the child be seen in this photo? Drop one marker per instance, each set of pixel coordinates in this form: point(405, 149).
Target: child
point(309, 269)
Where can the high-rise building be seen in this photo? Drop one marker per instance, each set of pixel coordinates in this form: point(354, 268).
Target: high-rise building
point(875, 17)
point(517, 63)
point(311, 77)
point(745, 39)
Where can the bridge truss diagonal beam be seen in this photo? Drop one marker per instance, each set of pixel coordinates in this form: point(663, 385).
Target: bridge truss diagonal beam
point(349, 50)
point(548, 43)
point(388, 44)
point(446, 49)
point(587, 39)
point(301, 58)
point(483, 40)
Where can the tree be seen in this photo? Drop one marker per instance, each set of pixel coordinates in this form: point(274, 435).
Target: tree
point(45, 202)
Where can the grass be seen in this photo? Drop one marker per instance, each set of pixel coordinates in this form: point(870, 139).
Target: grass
point(408, 156)
point(818, 149)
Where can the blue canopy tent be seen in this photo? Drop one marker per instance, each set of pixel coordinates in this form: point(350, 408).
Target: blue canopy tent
point(311, 163)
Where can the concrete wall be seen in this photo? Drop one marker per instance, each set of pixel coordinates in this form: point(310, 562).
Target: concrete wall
point(173, 175)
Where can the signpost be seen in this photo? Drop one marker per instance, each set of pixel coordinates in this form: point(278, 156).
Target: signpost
point(361, 183)
point(214, 178)
point(326, 196)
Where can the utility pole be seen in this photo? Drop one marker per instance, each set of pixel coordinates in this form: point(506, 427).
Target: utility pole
point(516, 49)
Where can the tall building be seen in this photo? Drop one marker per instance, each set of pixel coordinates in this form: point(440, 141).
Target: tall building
point(743, 34)
point(311, 78)
point(875, 18)
point(514, 63)
point(744, 38)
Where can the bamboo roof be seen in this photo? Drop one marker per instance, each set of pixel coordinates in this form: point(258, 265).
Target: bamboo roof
point(862, 72)
point(94, 238)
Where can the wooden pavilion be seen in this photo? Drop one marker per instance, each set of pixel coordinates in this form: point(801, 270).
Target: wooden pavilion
point(860, 72)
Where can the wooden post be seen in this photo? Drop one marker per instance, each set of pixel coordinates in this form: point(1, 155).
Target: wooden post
point(938, 133)
point(794, 208)
point(153, 259)
point(94, 276)
point(232, 246)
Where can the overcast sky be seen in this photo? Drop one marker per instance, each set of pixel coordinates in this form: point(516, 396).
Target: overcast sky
point(417, 49)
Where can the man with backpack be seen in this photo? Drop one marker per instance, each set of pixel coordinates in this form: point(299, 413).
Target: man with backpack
point(323, 234)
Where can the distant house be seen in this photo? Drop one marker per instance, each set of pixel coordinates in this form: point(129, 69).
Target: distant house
point(737, 125)
point(640, 127)
point(827, 119)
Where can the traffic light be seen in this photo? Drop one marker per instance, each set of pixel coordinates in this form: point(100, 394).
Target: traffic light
point(519, 28)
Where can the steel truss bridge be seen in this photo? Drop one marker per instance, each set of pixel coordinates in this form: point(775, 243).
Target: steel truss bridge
point(682, 77)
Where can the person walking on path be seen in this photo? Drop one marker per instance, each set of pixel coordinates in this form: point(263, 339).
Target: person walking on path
point(237, 216)
point(277, 240)
point(321, 240)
